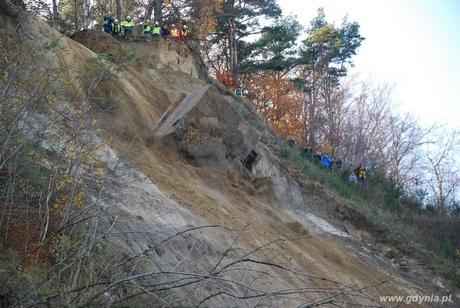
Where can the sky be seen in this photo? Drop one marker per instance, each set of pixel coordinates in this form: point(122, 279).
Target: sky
point(413, 44)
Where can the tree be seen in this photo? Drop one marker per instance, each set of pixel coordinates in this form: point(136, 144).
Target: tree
point(154, 6)
point(72, 14)
point(325, 53)
point(203, 17)
point(54, 180)
point(266, 66)
point(199, 15)
point(442, 170)
point(239, 20)
point(402, 154)
point(276, 50)
point(337, 114)
point(279, 102)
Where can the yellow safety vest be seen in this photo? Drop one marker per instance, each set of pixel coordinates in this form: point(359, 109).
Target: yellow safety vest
point(116, 28)
point(147, 28)
point(156, 30)
point(127, 24)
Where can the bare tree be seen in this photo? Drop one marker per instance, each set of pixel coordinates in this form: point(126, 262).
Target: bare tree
point(364, 125)
point(403, 153)
point(442, 169)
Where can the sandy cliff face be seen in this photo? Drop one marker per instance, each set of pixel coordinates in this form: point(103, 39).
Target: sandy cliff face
point(269, 218)
point(213, 234)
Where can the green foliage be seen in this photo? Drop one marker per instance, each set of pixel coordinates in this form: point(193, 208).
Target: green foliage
point(72, 15)
point(51, 45)
point(276, 50)
point(121, 59)
point(450, 290)
point(65, 31)
point(285, 151)
point(126, 56)
point(448, 248)
point(237, 22)
point(385, 190)
point(327, 45)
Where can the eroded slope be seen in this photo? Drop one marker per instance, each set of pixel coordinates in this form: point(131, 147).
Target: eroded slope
point(206, 236)
point(290, 235)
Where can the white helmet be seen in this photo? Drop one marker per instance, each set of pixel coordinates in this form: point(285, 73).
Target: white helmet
point(156, 23)
point(184, 27)
point(173, 25)
point(128, 18)
point(115, 21)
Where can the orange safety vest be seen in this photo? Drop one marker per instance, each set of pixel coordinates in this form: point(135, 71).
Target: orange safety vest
point(174, 33)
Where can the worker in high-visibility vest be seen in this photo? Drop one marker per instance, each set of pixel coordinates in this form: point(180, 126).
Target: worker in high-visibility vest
point(174, 32)
point(128, 25)
point(147, 29)
point(184, 34)
point(107, 22)
point(156, 30)
point(116, 28)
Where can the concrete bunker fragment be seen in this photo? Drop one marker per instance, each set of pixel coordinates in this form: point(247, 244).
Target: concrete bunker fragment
point(206, 128)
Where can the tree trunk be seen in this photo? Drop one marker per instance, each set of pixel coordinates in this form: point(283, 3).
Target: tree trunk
point(312, 122)
point(86, 22)
point(149, 10)
point(233, 50)
point(55, 14)
point(158, 6)
point(118, 9)
point(76, 14)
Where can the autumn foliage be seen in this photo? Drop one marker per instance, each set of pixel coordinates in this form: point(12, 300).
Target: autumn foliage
point(227, 79)
point(43, 191)
point(203, 16)
point(279, 102)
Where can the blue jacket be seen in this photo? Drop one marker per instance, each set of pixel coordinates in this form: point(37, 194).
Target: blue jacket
point(108, 20)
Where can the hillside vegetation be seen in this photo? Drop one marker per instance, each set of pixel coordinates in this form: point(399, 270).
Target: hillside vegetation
point(97, 210)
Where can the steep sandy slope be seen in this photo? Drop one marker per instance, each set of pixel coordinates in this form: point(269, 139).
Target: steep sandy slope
point(192, 197)
point(239, 240)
